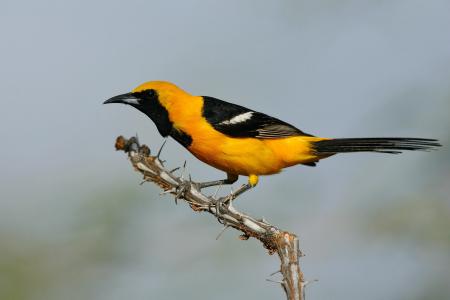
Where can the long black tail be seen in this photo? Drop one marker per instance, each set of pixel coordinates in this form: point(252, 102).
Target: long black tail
point(382, 145)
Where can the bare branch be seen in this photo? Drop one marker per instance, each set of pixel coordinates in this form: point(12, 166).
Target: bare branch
point(275, 240)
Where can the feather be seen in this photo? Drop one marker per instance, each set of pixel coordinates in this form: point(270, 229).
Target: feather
point(238, 121)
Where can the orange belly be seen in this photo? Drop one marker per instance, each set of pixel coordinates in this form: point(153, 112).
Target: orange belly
point(251, 156)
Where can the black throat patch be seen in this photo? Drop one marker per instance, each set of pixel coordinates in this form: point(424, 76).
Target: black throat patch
point(151, 106)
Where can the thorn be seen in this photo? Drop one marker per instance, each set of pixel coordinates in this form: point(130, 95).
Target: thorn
point(308, 282)
point(174, 169)
point(182, 171)
point(300, 253)
point(178, 196)
point(190, 178)
point(160, 149)
point(230, 197)
point(217, 191)
point(276, 272)
point(142, 182)
point(222, 231)
point(167, 191)
point(274, 281)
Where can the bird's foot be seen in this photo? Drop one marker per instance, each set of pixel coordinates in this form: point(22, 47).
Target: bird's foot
point(219, 204)
point(225, 201)
point(231, 178)
point(181, 189)
point(238, 192)
point(202, 185)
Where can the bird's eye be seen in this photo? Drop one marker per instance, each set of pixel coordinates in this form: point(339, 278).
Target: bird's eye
point(145, 95)
point(150, 93)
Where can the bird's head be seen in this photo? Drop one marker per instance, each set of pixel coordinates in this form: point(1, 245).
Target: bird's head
point(153, 98)
point(143, 96)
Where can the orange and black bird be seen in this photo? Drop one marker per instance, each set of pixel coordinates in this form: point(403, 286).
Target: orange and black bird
point(241, 141)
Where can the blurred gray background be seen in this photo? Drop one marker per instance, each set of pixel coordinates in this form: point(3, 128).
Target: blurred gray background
point(76, 224)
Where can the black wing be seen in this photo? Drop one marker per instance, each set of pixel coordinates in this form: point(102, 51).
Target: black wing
point(238, 121)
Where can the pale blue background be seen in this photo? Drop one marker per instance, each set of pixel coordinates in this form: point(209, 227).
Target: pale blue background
point(74, 222)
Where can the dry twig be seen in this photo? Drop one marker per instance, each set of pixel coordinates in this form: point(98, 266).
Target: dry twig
point(285, 244)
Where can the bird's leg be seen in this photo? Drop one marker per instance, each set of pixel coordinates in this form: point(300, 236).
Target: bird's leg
point(231, 178)
point(239, 191)
point(252, 182)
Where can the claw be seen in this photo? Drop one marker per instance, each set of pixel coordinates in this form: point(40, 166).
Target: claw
point(218, 204)
point(180, 190)
point(229, 198)
point(240, 191)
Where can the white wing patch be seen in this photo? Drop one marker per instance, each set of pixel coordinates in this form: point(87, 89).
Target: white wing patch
point(238, 119)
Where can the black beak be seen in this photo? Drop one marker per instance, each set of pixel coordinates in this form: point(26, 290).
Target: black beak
point(128, 98)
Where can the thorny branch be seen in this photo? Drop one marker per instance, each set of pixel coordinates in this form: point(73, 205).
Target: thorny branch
point(285, 244)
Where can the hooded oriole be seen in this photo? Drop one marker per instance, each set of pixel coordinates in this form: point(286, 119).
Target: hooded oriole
point(241, 141)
